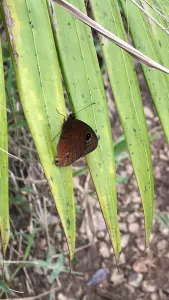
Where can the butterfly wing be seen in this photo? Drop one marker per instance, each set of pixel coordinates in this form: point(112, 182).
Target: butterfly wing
point(77, 139)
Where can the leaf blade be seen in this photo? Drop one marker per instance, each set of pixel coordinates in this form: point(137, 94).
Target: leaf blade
point(84, 84)
point(128, 101)
point(4, 200)
point(148, 38)
point(39, 84)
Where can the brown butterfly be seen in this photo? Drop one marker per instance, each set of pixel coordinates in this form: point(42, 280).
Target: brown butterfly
point(77, 139)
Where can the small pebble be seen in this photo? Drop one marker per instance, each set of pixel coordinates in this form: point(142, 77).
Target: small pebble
point(129, 169)
point(154, 296)
point(141, 296)
point(149, 123)
point(131, 218)
point(140, 267)
point(61, 297)
point(43, 244)
point(157, 172)
point(130, 288)
point(163, 157)
point(52, 220)
point(98, 221)
point(125, 239)
point(122, 259)
point(135, 279)
point(166, 149)
point(162, 245)
point(117, 277)
point(65, 247)
point(124, 214)
point(104, 250)
point(134, 227)
point(138, 214)
point(164, 231)
point(166, 255)
point(123, 227)
point(38, 270)
point(98, 276)
point(149, 286)
point(101, 234)
point(59, 236)
point(148, 112)
point(79, 292)
point(137, 199)
point(140, 244)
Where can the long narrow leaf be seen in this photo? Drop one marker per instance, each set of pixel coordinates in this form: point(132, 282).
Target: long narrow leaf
point(4, 205)
point(128, 100)
point(39, 84)
point(148, 37)
point(84, 85)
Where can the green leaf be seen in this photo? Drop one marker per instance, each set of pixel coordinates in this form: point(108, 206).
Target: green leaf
point(120, 146)
point(128, 101)
point(4, 205)
point(152, 41)
point(120, 180)
point(40, 89)
point(4, 288)
point(52, 251)
point(163, 219)
point(80, 171)
point(84, 85)
point(59, 267)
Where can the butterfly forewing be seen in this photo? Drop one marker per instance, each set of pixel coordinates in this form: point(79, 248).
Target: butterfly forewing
point(77, 139)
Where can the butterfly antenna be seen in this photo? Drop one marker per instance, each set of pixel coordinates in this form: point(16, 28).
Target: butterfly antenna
point(59, 132)
point(55, 137)
point(60, 114)
point(13, 112)
point(84, 108)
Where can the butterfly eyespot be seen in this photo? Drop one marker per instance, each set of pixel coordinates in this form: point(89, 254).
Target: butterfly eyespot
point(56, 161)
point(88, 137)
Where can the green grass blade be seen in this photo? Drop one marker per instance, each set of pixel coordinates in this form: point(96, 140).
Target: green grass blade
point(128, 101)
point(4, 205)
point(84, 85)
point(151, 40)
point(39, 84)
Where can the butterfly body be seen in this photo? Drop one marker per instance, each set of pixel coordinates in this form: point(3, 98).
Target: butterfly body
point(77, 139)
